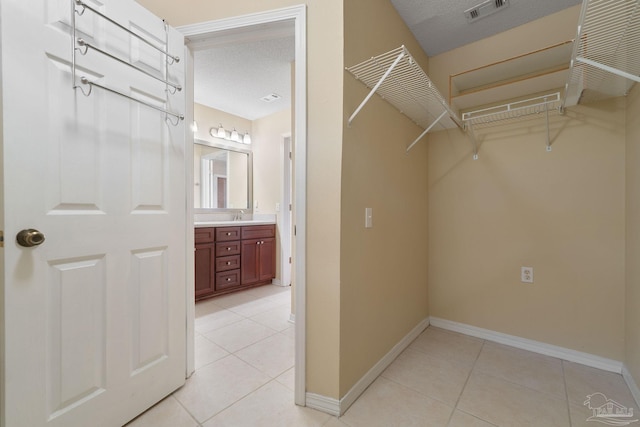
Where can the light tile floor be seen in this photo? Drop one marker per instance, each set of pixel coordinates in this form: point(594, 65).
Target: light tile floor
point(244, 377)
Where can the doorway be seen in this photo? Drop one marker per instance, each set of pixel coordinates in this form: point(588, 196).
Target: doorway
point(295, 17)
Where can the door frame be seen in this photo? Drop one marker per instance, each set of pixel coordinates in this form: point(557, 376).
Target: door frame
point(285, 213)
point(203, 30)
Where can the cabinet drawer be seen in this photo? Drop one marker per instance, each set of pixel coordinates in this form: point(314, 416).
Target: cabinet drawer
point(227, 279)
point(258, 231)
point(225, 263)
point(224, 234)
point(227, 248)
point(204, 235)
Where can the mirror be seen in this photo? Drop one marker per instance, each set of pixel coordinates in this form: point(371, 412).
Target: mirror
point(222, 177)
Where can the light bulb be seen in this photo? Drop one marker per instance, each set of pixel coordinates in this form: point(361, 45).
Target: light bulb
point(234, 135)
point(221, 132)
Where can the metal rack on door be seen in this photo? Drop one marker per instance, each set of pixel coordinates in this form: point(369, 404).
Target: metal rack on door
point(82, 47)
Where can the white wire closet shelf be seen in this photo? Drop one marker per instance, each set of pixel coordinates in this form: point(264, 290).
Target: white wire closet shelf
point(606, 57)
point(397, 78)
point(515, 110)
point(540, 106)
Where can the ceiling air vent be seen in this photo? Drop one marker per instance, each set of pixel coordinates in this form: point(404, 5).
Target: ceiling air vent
point(485, 8)
point(271, 97)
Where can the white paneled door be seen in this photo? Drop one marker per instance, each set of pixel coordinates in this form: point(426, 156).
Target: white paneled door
point(93, 318)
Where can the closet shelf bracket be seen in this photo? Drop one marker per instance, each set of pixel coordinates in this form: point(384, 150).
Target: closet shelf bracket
point(547, 104)
point(399, 80)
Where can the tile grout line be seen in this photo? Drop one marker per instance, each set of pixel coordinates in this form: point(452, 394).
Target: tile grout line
point(237, 401)
point(455, 407)
point(518, 384)
point(185, 408)
point(196, 333)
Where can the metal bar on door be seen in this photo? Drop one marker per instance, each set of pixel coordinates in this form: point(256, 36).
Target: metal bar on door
point(83, 43)
point(117, 24)
point(91, 84)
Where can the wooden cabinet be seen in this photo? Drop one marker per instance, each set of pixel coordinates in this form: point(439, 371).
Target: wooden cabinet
point(258, 260)
point(258, 254)
point(233, 258)
point(205, 257)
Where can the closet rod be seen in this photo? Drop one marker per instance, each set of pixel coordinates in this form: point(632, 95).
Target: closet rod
point(117, 24)
point(83, 43)
point(91, 84)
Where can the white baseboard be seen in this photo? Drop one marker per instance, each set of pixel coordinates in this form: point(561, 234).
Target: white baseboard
point(324, 404)
point(530, 345)
point(338, 407)
point(633, 386)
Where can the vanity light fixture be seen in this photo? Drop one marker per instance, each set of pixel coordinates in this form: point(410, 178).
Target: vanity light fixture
point(234, 135)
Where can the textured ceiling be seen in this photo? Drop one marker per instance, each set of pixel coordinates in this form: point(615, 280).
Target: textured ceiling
point(241, 66)
point(234, 77)
point(440, 25)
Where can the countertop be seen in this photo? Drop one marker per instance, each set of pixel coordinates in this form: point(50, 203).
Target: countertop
point(232, 223)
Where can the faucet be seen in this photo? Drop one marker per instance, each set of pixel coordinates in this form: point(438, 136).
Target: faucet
point(238, 216)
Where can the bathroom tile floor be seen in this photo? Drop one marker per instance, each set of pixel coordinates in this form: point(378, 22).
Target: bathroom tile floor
point(244, 351)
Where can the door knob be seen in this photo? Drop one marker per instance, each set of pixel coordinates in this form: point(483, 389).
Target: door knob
point(29, 238)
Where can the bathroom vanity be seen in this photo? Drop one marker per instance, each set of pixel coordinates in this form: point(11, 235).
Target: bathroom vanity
point(229, 258)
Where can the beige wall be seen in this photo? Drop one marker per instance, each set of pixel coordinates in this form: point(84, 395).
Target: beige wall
point(383, 269)
point(561, 213)
point(324, 147)
point(267, 138)
point(632, 297)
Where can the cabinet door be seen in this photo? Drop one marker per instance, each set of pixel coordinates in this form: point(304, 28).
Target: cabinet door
point(267, 259)
point(249, 265)
point(205, 257)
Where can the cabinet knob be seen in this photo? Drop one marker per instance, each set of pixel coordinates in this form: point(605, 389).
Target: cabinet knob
point(228, 262)
point(228, 233)
point(228, 279)
point(228, 248)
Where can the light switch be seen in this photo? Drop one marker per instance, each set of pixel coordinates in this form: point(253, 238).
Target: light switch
point(368, 217)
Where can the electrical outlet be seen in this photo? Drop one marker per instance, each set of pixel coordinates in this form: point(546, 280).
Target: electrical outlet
point(526, 274)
